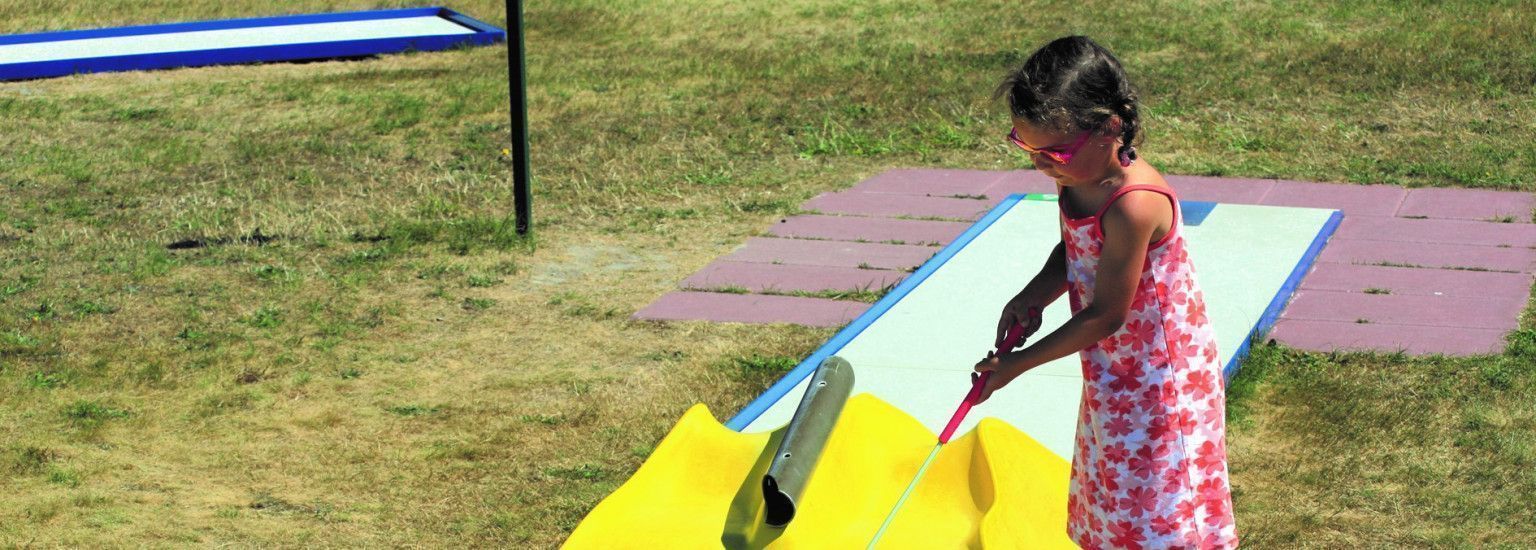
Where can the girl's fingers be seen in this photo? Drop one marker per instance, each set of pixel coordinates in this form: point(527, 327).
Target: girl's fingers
point(1003, 323)
point(987, 365)
point(986, 392)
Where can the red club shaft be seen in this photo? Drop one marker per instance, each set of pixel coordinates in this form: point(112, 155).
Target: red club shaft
point(1015, 333)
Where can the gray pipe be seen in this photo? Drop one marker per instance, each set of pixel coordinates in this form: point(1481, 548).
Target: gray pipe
point(804, 439)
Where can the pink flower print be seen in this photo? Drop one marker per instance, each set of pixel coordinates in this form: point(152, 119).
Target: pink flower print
point(1121, 404)
point(1091, 494)
point(1184, 345)
point(1177, 296)
point(1210, 457)
point(1158, 397)
point(1117, 453)
point(1173, 478)
point(1093, 542)
point(1212, 490)
point(1214, 539)
point(1140, 334)
point(1159, 430)
point(1184, 511)
point(1144, 486)
point(1172, 486)
point(1180, 284)
point(1191, 539)
point(1127, 374)
point(1213, 414)
point(1184, 420)
point(1164, 525)
point(1126, 366)
point(1196, 315)
point(1172, 330)
point(1124, 340)
point(1118, 427)
point(1139, 302)
point(1215, 511)
point(1199, 383)
point(1091, 371)
point(1126, 535)
point(1125, 383)
point(1139, 500)
point(1143, 465)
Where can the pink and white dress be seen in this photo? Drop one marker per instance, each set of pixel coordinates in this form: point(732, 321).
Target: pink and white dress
point(1150, 467)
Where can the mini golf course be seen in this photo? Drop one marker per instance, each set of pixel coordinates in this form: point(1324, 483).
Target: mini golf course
point(1276, 259)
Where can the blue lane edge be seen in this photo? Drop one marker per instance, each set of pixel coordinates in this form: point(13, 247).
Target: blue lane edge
point(1283, 297)
point(792, 378)
point(217, 25)
point(483, 34)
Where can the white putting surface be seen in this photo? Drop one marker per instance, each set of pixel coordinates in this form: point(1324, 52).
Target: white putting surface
point(282, 35)
point(919, 354)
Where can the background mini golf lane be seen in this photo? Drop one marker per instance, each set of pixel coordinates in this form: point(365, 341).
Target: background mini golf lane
point(917, 354)
point(1398, 254)
point(367, 29)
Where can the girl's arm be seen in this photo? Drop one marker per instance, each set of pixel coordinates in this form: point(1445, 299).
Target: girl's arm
point(1051, 282)
point(1047, 285)
point(1128, 227)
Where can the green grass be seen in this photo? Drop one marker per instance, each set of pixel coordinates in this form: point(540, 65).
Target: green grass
point(283, 304)
point(1337, 448)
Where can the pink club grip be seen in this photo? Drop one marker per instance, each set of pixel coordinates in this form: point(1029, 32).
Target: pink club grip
point(1015, 333)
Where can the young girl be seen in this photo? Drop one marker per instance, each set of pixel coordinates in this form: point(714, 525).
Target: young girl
point(1150, 467)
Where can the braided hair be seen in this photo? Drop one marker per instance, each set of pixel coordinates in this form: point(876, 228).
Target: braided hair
point(1074, 84)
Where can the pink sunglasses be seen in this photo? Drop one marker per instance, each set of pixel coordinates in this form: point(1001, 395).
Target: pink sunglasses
point(1057, 154)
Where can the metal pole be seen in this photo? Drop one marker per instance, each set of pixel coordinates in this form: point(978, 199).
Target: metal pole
point(519, 86)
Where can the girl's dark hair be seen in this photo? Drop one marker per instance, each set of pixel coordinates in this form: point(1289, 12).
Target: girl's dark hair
point(1074, 84)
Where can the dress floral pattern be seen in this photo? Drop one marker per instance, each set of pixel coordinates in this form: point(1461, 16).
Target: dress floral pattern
point(1150, 467)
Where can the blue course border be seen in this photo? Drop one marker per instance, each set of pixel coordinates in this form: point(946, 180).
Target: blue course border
point(1283, 297)
point(484, 34)
point(1195, 212)
point(791, 379)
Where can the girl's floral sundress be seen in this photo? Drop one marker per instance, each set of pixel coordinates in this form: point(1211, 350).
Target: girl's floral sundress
point(1150, 467)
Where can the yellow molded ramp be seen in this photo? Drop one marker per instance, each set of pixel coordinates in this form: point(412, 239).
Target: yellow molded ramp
point(995, 487)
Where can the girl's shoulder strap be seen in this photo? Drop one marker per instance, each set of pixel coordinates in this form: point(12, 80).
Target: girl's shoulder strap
point(1168, 191)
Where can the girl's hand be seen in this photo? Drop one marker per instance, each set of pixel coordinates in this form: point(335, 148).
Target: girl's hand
point(1002, 371)
point(1023, 310)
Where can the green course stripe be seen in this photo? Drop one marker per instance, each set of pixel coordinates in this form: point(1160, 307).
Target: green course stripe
point(904, 495)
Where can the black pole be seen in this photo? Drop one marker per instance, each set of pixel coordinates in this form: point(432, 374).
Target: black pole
point(519, 87)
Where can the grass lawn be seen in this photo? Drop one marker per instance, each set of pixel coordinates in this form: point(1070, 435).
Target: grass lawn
point(282, 305)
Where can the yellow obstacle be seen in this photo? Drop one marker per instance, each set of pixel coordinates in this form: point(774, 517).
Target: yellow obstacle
point(994, 487)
